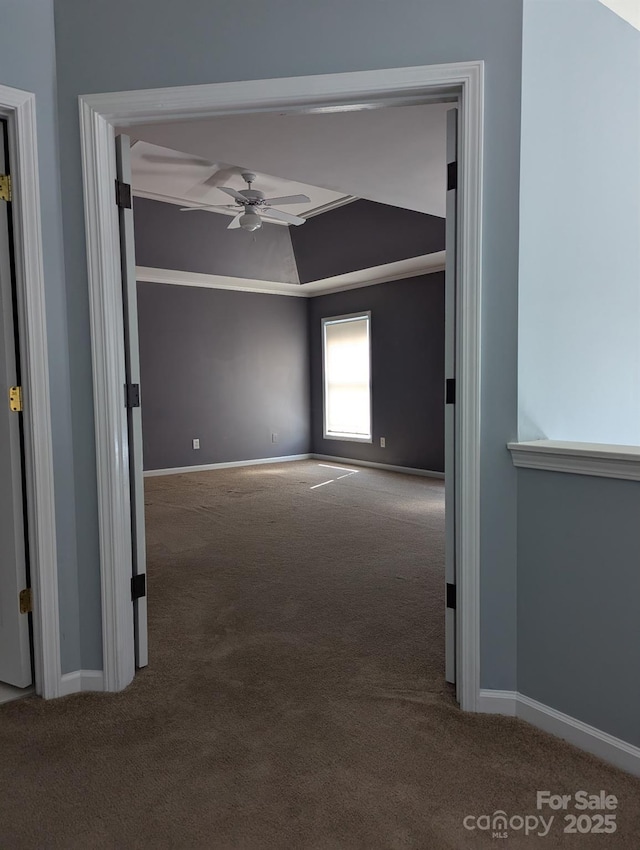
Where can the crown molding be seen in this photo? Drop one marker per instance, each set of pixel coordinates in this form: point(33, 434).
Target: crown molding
point(388, 273)
point(174, 277)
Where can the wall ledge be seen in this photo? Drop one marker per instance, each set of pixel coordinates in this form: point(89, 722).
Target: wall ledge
point(602, 460)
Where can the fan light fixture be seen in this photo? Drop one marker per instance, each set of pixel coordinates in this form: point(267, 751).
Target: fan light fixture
point(250, 221)
point(252, 203)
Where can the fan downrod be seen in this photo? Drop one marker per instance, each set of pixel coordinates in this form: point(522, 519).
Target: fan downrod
point(253, 196)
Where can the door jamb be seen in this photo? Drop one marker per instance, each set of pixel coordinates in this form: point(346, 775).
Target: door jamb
point(99, 116)
point(19, 109)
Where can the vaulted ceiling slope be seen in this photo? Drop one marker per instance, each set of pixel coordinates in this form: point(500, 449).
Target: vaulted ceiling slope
point(200, 242)
point(393, 155)
point(361, 235)
point(354, 237)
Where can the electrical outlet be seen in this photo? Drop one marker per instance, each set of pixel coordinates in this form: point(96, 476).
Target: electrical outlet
point(195, 443)
point(274, 437)
point(383, 442)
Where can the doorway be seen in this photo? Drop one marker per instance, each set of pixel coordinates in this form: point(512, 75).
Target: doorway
point(29, 575)
point(228, 375)
point(16, 675)
point(461, 82)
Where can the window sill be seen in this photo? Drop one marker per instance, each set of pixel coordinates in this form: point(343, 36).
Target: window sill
point(600, 459)
point(344, 438)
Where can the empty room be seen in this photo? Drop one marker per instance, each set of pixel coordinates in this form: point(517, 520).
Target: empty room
point(291, 389)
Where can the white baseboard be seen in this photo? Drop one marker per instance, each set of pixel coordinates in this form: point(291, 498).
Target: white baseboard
point(203, 467)
point(80, 681)
point(607, 747)
point(497, 702)
point(408, 470)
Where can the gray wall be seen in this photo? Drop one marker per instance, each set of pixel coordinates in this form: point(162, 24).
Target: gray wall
point(579, 347)
point(27, 61)
point(226, 366)
point(407, 367)
point(361, 235)
point(229, 368)
point(579, 598)
point(200, 242)
point(114, 45)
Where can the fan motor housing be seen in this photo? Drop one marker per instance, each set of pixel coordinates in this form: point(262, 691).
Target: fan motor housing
point(253, 196)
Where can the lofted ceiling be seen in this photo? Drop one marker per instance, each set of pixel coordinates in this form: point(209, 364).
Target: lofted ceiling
point(392, 155)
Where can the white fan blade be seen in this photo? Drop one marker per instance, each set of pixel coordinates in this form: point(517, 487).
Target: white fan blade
point(287, 199)
point(236, 222)
point(221, 175)
point(208, 207)
point(284, 216)
point(234, 194)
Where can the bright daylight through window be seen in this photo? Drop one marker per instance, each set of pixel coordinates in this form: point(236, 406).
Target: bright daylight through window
point(346, 357)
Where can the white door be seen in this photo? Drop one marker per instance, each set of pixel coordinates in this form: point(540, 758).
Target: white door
point(132, 397)
point(15, 647)
point(450, 400)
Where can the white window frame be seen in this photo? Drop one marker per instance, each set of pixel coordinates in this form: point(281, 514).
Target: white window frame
point(327, 435)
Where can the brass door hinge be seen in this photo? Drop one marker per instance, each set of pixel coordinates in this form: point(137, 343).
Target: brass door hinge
point(26, 601)
point(5, 187)
point(15, 399)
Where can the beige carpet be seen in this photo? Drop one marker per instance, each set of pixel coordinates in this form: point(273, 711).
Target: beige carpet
point(295, 696)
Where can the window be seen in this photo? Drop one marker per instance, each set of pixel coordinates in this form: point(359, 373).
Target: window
point(346, 358)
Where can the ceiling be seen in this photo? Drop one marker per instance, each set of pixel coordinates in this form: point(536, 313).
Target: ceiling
point(629, 10)
point(393, 155)
point(167, 175)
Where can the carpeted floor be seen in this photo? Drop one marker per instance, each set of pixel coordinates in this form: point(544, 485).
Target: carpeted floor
point(295, 697)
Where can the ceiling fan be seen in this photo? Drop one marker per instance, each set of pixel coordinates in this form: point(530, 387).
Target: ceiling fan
point(253, 202)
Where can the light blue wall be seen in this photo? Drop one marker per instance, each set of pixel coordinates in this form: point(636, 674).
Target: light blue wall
point(579, 360)
point(578, 258)
point(579, 598)
point(579, 346)
point(111, 45)
point(27, 61)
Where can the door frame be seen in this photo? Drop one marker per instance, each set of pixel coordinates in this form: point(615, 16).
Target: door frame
point(19, 109)
point(100, 114)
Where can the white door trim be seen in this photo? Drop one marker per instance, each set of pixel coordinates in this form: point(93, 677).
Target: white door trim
point(99, 115)
point(19, 108)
